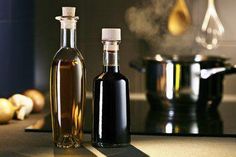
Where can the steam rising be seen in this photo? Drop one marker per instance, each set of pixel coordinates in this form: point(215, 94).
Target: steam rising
point(148, 21)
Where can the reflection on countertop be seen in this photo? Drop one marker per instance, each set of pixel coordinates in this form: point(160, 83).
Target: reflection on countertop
point(169, 122)
point(147, 121)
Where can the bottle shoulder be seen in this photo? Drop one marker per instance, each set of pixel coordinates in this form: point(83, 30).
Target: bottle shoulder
point(106, 76)
point(68, 54)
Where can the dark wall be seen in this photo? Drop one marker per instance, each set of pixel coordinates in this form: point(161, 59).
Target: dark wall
point(16, 46)
point(111, 13)
point(29, 38)
point(94, 15)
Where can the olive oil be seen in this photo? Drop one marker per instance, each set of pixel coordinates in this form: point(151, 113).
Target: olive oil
point(67, 87)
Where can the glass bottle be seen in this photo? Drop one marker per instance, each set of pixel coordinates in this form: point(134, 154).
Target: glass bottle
point(111, 121)
point(67, 85)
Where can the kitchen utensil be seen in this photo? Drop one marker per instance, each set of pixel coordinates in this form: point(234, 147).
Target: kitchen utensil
point(175, 83)
point(212, 28)
point(206, 73)
point(179, 19)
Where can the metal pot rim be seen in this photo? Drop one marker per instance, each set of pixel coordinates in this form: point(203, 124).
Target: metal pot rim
point(184, 58)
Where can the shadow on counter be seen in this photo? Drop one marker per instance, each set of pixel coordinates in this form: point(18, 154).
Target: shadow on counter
point(122, 152)
point(89, 151)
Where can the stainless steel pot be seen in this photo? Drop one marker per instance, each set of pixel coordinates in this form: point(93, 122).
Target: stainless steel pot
point(184, 82)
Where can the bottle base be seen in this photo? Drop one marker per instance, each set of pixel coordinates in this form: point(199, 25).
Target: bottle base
point(68, 141)
point(110, 145)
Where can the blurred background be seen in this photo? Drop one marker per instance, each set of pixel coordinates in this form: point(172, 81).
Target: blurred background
point(30, 36)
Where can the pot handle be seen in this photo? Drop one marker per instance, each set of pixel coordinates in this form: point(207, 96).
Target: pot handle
point(206, 73)
point(137, 65)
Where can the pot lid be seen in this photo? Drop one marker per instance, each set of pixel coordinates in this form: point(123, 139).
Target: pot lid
point(184, 58)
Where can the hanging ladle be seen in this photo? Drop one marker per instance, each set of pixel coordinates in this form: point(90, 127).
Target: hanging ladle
point(179, 19)
point(212, 28)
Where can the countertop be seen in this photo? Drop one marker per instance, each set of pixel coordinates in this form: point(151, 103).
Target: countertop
point(15, 142)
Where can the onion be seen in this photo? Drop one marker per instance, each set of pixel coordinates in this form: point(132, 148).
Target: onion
point(7, 110)
point(38, 99)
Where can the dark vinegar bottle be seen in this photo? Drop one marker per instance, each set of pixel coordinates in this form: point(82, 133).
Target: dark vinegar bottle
point(111, 121)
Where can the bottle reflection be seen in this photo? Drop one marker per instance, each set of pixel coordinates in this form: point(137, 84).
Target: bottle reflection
point(172, 122)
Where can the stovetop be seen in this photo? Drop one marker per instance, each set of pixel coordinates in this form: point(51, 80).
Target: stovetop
point(146, 121)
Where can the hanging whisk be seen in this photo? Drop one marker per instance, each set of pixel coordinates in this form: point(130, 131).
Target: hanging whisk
point(212, 28)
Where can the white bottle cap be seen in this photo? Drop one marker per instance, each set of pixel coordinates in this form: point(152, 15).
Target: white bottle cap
point(112, 34)
point(68, 11)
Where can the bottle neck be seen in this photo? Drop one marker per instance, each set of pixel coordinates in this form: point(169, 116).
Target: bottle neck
point(68, 37)
point(211, 3)
point(110, 56)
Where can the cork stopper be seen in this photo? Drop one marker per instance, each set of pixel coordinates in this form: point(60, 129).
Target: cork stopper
point(111, 34)
point(68, 19)
point(68, 11)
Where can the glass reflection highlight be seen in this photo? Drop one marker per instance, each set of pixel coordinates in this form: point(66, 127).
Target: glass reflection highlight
point(172, 122)
point(169, 79)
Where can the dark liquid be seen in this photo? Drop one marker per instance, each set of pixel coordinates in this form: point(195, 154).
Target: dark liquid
point(67, 100)
point(111, 123)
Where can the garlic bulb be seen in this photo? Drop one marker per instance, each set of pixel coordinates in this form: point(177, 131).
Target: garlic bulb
point(24, 105)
